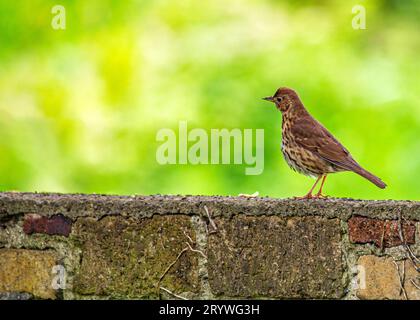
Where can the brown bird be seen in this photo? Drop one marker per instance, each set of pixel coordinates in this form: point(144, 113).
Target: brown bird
point(309, 148)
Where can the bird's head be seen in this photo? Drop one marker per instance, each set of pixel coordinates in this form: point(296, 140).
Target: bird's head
point(284, 99)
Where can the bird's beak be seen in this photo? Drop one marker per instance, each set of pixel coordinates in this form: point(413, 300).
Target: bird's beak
point(268, 99)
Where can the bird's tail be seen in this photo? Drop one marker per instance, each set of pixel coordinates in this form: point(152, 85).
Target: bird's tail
point(372, 178)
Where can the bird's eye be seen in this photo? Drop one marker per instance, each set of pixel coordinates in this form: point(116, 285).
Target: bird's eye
point(279, 99)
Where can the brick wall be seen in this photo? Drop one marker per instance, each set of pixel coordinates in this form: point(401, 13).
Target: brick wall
point(56, 246)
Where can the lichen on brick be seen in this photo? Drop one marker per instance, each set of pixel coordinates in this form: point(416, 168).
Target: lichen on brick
point(276, 257)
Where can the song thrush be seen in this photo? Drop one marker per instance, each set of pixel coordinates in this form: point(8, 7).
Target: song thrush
point(308, 147)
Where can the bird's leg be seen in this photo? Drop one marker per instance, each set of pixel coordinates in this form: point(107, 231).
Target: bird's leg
point(309, 194)
point(319, 193)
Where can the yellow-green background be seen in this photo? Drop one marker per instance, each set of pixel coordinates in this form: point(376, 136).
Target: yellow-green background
point(80, 108)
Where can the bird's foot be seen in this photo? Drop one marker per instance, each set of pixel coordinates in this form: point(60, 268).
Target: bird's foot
point(311, 196)
point(244, 195)
point(320, 196)
point(305, 197)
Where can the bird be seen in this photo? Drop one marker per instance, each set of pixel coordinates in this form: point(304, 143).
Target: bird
point(309, 148)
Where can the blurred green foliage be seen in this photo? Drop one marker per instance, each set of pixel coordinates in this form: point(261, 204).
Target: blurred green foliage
point(80, 108)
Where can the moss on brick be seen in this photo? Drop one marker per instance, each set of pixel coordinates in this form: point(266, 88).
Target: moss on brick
point(125, 257)
point(276, 257)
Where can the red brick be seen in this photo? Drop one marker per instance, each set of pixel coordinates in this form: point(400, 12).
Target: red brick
point(383, 233)
point(55, 225)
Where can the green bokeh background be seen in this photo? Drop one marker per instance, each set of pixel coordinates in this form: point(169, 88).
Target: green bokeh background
point(80, 108)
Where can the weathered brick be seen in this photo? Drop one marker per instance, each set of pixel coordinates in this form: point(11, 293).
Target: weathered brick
point(27, 271)
point(55, 225)
point(276, 257)
point(125, 257)
point(383, 233)
point(378, 278)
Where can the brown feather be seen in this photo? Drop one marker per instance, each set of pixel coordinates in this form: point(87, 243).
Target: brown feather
point(313, 136)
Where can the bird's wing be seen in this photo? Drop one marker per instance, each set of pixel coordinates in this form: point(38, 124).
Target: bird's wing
point(311, 135)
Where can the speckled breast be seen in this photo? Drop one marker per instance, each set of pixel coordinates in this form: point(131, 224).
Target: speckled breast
point(302, 160)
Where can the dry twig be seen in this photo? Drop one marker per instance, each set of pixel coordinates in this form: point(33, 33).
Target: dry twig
point(213, 225)
point(245, 195)
point(196, 250)
point(189, 238)
point(415, 284)
point(383, 236)
point(171, 265)
point(174, 294)
point(401, 278)
point(189, 243)
point(410, 254)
